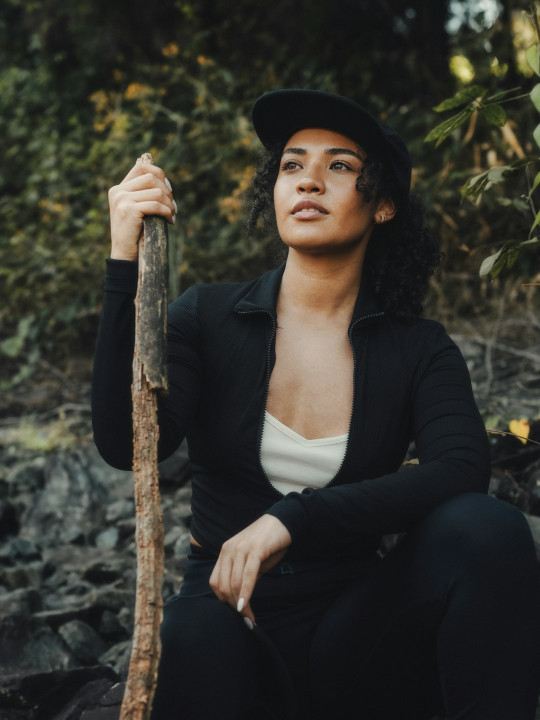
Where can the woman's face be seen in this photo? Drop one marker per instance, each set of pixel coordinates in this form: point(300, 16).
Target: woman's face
point(318, 208)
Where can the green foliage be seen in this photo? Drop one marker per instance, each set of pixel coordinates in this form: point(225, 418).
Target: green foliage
point(477, 101)
point(86, 86)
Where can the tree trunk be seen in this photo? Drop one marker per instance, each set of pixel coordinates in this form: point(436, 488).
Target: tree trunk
point(149, 377)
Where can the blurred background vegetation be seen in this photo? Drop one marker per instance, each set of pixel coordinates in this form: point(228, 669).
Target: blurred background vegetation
point(86, 86)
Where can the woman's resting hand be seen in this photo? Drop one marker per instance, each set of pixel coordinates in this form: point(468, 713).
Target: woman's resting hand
point(144, 191)
point(244, 558)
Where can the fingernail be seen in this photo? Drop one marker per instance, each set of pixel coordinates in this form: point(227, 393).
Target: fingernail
point(175, 207)
point(248, 623)
point(168, 184)
point(174, 219)
point(241, 604)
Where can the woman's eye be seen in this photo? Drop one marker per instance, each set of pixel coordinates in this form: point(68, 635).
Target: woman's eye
point(289, 165)
point(340, 165)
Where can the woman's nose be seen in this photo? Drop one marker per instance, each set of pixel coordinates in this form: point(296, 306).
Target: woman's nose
point(310, 184)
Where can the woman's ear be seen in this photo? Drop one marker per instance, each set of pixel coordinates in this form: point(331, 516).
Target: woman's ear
point(386, 210)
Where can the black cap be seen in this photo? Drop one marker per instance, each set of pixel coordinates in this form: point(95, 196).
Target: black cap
point(279, 114)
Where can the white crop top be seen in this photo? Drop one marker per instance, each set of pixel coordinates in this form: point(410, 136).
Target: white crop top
point(292, 463)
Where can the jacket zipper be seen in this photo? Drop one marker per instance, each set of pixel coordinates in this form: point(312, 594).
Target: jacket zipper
point(267, 388)
point(349, 333)
point(268, 362)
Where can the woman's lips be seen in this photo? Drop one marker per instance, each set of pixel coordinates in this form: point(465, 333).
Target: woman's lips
point(308, 209)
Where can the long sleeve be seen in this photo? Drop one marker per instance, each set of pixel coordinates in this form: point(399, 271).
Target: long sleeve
point(453, 456)
point(112, 375)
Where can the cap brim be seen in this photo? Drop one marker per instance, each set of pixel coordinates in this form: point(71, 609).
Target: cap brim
point(280, 114)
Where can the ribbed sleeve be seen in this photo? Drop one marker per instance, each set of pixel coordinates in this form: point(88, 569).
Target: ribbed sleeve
point(453, 458)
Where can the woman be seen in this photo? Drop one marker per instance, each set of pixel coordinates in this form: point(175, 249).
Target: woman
point(299, 393)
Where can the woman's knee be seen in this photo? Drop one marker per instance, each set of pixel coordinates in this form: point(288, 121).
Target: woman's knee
point(207, 653)
point(478, 522)
point(202, 627)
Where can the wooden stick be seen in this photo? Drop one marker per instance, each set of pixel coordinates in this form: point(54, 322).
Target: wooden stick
point(149, 377)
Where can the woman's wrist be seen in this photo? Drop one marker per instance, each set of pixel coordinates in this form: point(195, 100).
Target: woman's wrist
point(119, 254)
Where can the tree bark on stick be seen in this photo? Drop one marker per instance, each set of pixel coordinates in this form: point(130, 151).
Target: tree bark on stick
point(149, 378)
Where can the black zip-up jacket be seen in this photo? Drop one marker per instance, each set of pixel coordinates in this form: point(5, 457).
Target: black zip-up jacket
point(410, 383)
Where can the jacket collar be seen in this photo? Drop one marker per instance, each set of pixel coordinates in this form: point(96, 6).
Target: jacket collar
point(263, 292)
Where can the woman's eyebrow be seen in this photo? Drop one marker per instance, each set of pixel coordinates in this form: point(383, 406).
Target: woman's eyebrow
point(295, 151)
point(344, 151)
point(328, 151)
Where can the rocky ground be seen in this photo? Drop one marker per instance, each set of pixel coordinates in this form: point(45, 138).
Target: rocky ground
point(67, 550)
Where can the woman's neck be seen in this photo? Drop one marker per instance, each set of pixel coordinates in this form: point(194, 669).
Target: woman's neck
point(325, 287)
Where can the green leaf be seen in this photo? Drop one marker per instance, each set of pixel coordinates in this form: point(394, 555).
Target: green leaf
point(527, 160)
point(475, 186)
point(535, 223)
point(501, 94)
point(499, 265)
point(462, 97)
point(511, 256)
point(536, 135)
point(12, 346)
point(499, 173)
point(446, 128)
point(535, 184)
point(494, 114)
point(533, 58)
point(535, 96)
point(505, 256)
point(520, 205)
point(488, 263)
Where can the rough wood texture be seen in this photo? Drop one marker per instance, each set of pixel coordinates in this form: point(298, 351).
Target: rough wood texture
point(149, 377)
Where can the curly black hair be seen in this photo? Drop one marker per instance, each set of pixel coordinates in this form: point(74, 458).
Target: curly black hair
point(402, 254)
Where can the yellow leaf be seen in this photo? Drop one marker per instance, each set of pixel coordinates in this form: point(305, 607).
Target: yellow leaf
point(521, 429)
point(170, 50)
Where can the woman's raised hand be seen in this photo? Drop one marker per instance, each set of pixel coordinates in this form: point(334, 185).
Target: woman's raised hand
point(144, 191)
point(244, 558)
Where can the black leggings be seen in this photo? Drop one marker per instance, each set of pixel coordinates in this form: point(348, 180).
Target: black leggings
point(447, 624)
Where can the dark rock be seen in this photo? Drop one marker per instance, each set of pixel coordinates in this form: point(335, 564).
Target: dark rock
point(181, 546)
point(103, 572)
point(84, 642)
point(27, 477)
point(69, 504)
point(108, 539)
point(22, 576)
point(20, 602)
point(120, 510)
point(29, 643)
point(43, 695)
point(75, 536)
point(110, 626)
point(118, 657)
point(172, 537)
point(89, 695)
point(176, 469)
point(56, 618)
point(18, 549)
point(111, 598)
point(9, 519)
point(109, 705)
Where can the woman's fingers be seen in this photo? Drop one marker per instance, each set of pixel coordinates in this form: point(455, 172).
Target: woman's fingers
point(145, 169)
point(144, 191)
point(233, 580)
point(244, 557)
